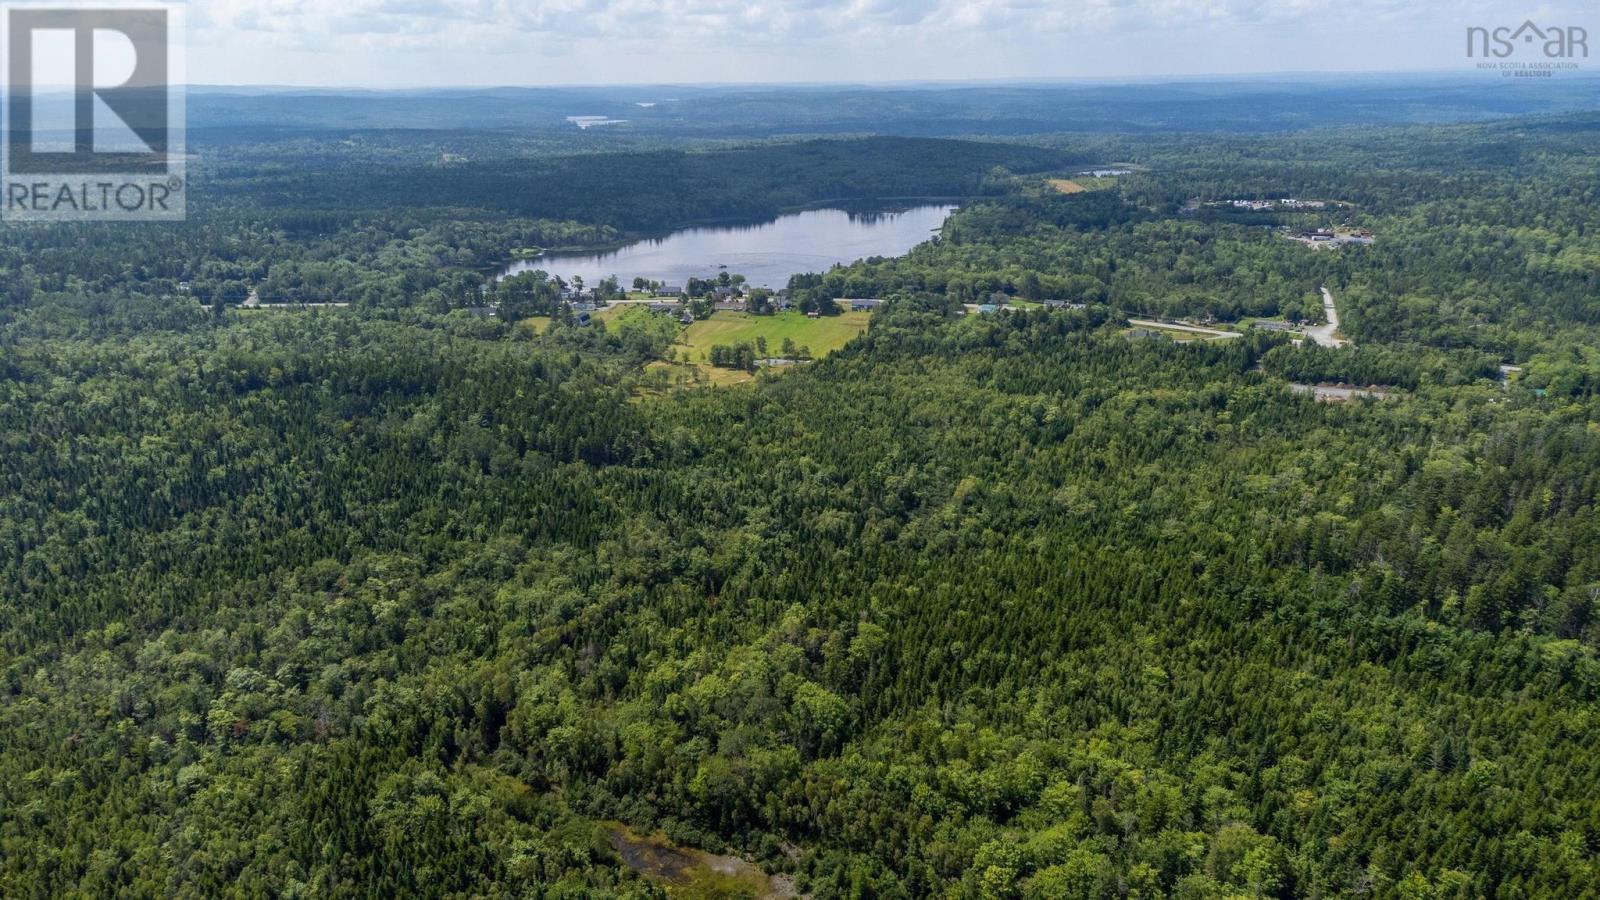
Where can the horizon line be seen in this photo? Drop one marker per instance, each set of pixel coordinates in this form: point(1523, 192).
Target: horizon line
point(1029, 81)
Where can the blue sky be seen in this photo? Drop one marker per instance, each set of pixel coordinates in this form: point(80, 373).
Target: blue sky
point(399, 43)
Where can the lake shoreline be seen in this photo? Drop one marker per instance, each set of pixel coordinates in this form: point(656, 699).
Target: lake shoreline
point(794, 240)
point(729, 222)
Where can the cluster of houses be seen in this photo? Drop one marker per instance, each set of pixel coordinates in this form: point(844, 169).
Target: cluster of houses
point(672, 309)
point(1281, 204)
point(1291, 203)
point(999, 300)
point(1272, 325)
point(1269, 205)
point(1325, 237)
point(669, 301)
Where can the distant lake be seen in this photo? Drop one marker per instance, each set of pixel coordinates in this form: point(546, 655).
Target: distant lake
point(766, 254)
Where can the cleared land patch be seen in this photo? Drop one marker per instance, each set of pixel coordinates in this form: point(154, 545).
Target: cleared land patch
point(688, 872)
point(821, 335)
point(1178, 331)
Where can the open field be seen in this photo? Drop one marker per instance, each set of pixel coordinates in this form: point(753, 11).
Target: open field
point(1079, 184)
point(680, 375)
point(608, 314)
point(822, 336)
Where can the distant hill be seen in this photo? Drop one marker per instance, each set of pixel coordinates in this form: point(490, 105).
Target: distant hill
point(1001, 109)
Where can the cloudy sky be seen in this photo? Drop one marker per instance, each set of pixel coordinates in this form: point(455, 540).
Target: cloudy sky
point(506, 42)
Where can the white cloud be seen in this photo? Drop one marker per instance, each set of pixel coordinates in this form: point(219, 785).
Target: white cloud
point(501, 41)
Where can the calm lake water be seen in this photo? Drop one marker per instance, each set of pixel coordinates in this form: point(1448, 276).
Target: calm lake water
point(766, 254)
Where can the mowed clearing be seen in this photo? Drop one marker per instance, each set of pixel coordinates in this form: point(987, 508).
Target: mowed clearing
point(541, 324)
point(1067, 186)
point(821, 335)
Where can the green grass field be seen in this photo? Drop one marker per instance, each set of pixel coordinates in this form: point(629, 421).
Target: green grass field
point(616, 311)
point(822, 336)
point(609, 314)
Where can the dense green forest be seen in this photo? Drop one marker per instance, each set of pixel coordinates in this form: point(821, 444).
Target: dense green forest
point(395, 601)
point(328, 220)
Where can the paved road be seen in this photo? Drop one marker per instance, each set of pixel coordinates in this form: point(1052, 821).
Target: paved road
point(1192, 329)
point(1325, 334)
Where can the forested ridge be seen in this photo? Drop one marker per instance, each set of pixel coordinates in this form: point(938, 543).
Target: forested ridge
point(395, 601)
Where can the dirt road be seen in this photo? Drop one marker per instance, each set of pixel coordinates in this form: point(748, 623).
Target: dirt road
point(1327, 335)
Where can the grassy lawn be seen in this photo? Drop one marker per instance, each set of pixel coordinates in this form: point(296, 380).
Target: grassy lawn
point(679, 375)
point(823, 335)
point(616, 311)
point(608, 314)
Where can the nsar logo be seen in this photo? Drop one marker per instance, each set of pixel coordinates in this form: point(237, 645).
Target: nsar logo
point(1554, 42)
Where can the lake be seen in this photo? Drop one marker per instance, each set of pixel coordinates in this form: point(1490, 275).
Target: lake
point(766, 254)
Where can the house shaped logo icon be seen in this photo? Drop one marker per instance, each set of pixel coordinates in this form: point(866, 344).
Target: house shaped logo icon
point(1528, 32)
